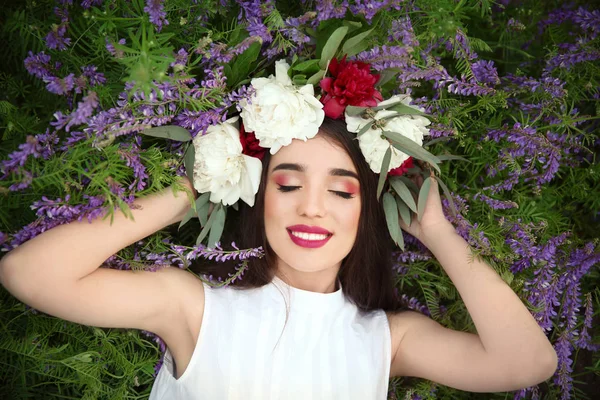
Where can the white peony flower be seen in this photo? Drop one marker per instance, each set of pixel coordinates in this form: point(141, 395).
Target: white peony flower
point(220, 167)
point(372, 143)
point(279, 111)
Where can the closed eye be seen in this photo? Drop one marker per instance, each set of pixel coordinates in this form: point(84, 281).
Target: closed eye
point(286, 189)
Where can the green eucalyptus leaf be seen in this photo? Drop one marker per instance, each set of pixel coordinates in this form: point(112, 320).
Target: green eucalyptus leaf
point(332, 46)
point(423, 194)
point(385, 165)
point(404, 211)
point(189, 215)
point(365, 128)
point(216, 229)
point(313, 80)
point(169, 132)
point(436, 140)
point(403, 109)
point(203, 213)
point(208, 225)
point(356, 44)
point(411, 148)
point(448, 196)
point(386, 75)
point(391, 216)
point(404, 192)
point(444, 157)
point(355, 111)
point(188, 161)
point(411, 185)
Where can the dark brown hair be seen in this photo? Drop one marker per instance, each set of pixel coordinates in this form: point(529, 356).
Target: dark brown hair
point(366, 272)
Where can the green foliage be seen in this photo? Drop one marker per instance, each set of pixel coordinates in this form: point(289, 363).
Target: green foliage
point(44, 357)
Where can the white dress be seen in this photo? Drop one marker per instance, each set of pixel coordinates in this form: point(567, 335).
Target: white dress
point(328, 348)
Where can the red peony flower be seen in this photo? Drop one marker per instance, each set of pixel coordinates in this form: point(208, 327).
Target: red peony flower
point(250, 144)
point(401, 170)
point(352, 84)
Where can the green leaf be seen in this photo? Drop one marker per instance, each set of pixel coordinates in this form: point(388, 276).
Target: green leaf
point(306, 65)
point(391, 216)
point(243, 64)
point(444, 157)
point(299, 80)
point(169, 132)
point(217, 227)
point(354, 111)
point(125, 209)
point(403, 109)
point(436, 140)
point(404, 192)
point(385, 165)
point(448, 196)
point(386, 75)
point(411, 185)
point(189, 215)
point(423, 194)
point(202, 205)
point(332, 46)
point(313, 80)
point(208, 225)
point(203, 213)
point(188, 162)
point(356, 44)
point(365, 128)
point(411, 148)
point(404, 211)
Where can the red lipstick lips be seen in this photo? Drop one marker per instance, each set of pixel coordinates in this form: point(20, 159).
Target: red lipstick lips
point(307, 241)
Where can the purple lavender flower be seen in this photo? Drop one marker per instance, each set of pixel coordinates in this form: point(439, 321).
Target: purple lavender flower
point(588, 20)
point(56, 37)
point(94, 78)
point(156, 13)
point(369, 8)
point(112, 50)
point(86, 4)
point(41, 145)
point(60, 86)
point(495, 204)
point(563, 378)
point(24, 183)
point(181, 59)
point(485, 72)
point(469, 88)
point(385, 57)
point(328, 9)
point(38, 65)
point(402, 30)
point(84, 110)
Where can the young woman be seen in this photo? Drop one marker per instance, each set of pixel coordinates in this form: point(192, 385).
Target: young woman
point(316, 318)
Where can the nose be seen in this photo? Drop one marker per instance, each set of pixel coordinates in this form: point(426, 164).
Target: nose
point(312, 203)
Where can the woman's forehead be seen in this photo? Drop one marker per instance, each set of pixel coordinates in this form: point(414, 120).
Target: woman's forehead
point(314, 154)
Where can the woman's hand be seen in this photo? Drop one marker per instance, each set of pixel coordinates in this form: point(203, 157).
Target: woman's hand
point(433, 217)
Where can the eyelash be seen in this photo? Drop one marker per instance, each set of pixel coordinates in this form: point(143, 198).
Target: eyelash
point(286, 189)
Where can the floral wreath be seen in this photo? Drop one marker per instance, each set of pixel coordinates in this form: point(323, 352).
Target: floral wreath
point(224, 164)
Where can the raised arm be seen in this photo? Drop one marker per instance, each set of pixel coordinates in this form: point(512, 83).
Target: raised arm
point(58, 271)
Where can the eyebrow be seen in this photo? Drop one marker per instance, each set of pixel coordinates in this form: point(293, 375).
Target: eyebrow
point(302, 168)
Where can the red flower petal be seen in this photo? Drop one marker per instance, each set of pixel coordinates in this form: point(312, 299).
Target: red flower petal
point(333, 109)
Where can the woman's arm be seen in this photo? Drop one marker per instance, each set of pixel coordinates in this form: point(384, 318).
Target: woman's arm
point(510, 351)
point(58, 271)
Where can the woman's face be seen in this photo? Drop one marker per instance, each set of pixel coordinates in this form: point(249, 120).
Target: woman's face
point(311, 186)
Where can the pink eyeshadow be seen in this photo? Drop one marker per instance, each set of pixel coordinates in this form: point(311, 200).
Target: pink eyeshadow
point(350, 188)
point(281, 180)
